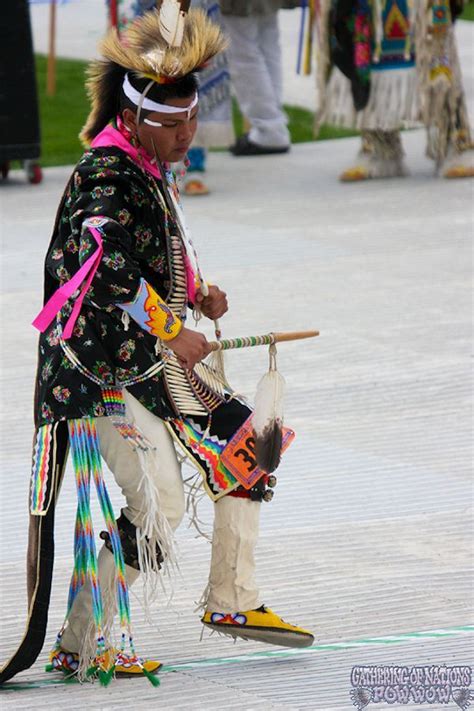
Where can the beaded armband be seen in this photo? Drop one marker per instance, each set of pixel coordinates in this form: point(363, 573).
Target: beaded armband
point(151, 313)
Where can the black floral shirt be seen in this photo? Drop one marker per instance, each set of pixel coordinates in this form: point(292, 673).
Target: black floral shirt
point(106, 182)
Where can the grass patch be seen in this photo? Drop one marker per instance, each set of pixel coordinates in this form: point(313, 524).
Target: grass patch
point(63, 115)
point(468, 12)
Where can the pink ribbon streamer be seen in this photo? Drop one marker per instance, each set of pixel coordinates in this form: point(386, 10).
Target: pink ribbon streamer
point(56, 302)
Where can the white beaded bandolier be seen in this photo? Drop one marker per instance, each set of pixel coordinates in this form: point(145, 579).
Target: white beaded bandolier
point(196, 392)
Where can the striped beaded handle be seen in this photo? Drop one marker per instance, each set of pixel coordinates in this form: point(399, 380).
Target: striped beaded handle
point(268, 339)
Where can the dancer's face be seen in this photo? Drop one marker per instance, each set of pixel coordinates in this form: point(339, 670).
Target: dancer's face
point(173, 138)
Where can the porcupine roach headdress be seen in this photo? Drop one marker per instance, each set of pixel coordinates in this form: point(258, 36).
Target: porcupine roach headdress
point(146, 50)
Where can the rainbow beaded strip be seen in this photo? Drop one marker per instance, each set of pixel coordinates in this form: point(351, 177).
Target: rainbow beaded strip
point(207, 451)
point(87, 465)
point(114, 403)
point(39, 474)
point(115, 408)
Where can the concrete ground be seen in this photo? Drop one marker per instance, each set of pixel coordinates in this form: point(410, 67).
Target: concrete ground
point(367, 541)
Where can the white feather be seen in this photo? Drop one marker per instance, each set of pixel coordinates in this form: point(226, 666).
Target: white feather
point(268, 401)
point(172, 22)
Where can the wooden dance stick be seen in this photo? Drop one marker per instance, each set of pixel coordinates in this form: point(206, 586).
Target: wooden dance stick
point(268, 339)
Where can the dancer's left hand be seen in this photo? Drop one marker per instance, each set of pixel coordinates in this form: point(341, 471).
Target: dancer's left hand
point(214, 305)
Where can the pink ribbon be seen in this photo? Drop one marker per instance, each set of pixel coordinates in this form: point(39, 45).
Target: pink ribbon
point(56, 302)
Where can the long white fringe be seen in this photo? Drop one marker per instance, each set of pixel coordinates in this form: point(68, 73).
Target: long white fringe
point(194, 495)
point(393, 101)
point(154, 532)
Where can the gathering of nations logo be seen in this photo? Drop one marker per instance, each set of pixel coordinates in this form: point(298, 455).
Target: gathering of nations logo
point(440, 685)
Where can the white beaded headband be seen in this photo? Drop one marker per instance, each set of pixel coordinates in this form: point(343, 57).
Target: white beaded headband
point(141, 102)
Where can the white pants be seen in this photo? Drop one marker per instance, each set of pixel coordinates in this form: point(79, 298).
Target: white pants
point(231, 581)
point(255, 67)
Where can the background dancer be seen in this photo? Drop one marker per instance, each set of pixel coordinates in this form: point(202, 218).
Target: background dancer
point(385, 65)
point(256, 73)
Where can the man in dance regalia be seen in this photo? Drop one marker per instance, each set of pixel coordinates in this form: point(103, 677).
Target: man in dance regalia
point(384, 64)
point(120, 376)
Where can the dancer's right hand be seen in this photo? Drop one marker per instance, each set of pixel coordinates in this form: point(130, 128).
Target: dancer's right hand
point(190, 347)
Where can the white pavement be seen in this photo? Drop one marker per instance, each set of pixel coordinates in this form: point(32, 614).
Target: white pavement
point(368, 539)
point(81, 24)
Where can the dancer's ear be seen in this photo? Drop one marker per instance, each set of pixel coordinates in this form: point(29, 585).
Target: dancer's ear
point(129, 118)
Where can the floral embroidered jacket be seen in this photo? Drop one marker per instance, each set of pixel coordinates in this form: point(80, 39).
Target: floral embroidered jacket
point(105, 182)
